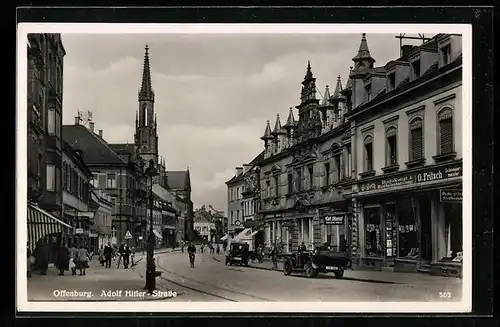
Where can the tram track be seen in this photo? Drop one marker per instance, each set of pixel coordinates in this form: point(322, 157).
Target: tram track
point(199, 290)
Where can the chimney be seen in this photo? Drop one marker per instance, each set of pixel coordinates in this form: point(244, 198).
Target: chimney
point(405, 51)
point(91, 126)
point(77, 120)
point(239, 170)
point(100, 133)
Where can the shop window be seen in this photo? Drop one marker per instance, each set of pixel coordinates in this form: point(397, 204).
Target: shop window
point(453, 225)
point(407, 228)
point(391, 147)
point(445, 126)
point(416, 139)
point(391, 236)
point(368, 153)
point(373, 243)
point(335, 237)
point(290, 183)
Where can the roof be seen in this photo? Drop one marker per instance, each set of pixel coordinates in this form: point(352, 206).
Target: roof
point(258, 158)
point(121, 148)
point(202, 216)
point(96, 151)
point(236, 178)
point(178, 179)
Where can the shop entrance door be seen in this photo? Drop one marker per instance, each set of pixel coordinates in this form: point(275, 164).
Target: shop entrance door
point(425, 233)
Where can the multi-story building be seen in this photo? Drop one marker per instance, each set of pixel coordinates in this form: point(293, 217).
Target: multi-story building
point(374, 169)
point(235, 187)
point(44, 89)
point(407, 123)
point(204, 225)
point(103, 219)
point(178, 182)
point(78, 210)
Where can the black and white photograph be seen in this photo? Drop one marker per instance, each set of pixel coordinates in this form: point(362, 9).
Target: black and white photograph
point(248, 168)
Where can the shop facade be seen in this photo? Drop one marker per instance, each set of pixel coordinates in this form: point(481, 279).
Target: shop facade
point(412, 221)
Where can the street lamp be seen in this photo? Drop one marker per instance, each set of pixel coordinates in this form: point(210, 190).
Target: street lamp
point(150, 266)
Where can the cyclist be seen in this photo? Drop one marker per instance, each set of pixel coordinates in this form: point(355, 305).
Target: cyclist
point(192, 251)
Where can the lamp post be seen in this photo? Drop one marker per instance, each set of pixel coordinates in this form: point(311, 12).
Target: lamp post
point(150, 265)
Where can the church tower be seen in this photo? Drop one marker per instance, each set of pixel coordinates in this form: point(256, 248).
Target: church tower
point(146, 136)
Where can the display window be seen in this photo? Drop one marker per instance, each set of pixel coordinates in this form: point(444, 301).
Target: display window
point(390, 230)
point(373, 242)
point(453, 236)
point(407, 228)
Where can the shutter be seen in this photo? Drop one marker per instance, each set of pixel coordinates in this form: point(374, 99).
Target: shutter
point(446, 135)
point(416, 144)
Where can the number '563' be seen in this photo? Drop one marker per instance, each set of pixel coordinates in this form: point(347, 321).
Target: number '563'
point(445, 295)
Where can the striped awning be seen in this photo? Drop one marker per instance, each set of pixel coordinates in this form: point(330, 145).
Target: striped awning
point(41, 224)
point(158, 235)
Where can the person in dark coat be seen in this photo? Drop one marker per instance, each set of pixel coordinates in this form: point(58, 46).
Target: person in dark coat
point(42, 257)
point(108, 254)
point(126, 256)
point(63, 259)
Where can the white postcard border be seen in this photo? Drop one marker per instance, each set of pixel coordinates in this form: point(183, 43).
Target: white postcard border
point(23, 305)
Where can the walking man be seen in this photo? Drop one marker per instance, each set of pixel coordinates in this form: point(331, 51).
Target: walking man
point(108, 254)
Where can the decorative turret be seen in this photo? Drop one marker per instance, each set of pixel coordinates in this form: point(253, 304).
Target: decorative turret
point(267, 133)
point(363, 60)
point(277, 127)
point(308, 92)
point(338, 89)
point(347, 91)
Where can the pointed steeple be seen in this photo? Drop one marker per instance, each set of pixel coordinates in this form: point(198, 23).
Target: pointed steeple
point(364, 57)
point(146, 91)
point(277, 127)
point(290, 122)
point(326, 97)
point(308, 85)
point(348, 85)
point(309, 73)
point(338, 88)
point(267, 133)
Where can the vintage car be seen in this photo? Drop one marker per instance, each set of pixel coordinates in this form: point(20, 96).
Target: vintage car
point(238, 254)
point(321, 260)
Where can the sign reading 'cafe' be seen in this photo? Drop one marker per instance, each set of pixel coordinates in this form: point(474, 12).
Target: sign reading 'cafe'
point(427, 175)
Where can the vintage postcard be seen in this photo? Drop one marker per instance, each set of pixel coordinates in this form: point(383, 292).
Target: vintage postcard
point(244, 168)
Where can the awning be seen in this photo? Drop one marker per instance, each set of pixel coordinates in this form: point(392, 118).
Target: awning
point(245, 234)
point(253, 233)
point(158, 235)
point(41, 223)
point(223, 238)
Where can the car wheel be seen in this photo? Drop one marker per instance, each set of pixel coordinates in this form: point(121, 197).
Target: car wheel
point(310, 271)
point(287, 268)
point(339, 273)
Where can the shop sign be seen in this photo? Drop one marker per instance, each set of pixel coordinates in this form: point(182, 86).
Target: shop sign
point(428, 175)
point(450, 195)
point(79, 231)
point(334, 220)
point(237, 223)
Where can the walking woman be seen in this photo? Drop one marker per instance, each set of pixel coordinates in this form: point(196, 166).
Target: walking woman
point(63, 259)
point(83, 258)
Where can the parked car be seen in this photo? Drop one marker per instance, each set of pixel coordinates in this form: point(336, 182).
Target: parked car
point(321, 260)
point(238, 254)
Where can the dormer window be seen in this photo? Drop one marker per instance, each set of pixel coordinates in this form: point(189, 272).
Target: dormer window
point(368, 92)
point(392, 80)
point(446, 54)
point(415, 65)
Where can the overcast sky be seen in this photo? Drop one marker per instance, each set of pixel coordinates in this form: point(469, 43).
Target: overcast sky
point(214, 93)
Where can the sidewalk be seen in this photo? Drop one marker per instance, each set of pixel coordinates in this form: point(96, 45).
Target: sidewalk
point(370, 276)
point(99, 284)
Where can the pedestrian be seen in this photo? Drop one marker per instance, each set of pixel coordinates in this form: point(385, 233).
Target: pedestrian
point(73, 253)
point(192, 252)
point(126, 256)
point(42, 257)
point(63, 259)
point(201, 247)
point(82, 262)
point(274, 257)
point(132, 256)
point(224, 246)
point(182, 246)
point(102, 260)
point(121, 251)
point(108, 254)
point(217, 249)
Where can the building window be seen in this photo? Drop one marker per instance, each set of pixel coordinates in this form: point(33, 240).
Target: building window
point(368, 92)
point(310, 170)
point(392, 81)
point(290, 183)
point(276, 185)
point(391, 149)
point(327, 173)
point(111, 181)
point(368, 153)
point(445, 121)
point(415, 65)
point(95, 181)
point(407, 220)
point(51, 178)
point(58, 124)
point(338, 169)
point(51, 121)
point(416, 139)
point(299, 179)
point(373, 243)
point(446, 54)
point(65, 167)
point(268, 188)
point(348, 161)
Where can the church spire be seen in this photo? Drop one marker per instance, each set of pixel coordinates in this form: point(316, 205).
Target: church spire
point(308, 85)
point(146, 91)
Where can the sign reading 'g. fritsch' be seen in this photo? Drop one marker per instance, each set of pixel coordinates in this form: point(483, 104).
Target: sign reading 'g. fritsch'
point(428, 175)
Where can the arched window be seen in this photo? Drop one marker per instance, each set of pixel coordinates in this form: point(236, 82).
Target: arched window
point(391, 153)
point(368, 153)
point(445, 131)
point(144, 115)
point(416, 141)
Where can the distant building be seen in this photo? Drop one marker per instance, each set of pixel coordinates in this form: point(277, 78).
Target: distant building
point(204, 225)
point(179, 183)
point(103, 219)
